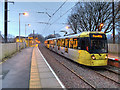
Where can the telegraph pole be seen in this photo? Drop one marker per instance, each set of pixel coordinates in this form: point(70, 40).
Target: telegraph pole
point(33, 36)
point(5, 20)
point(33, 33)
point(113, 22)
point(54, 33)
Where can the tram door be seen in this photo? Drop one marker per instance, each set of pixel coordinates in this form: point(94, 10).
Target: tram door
point(66, 45)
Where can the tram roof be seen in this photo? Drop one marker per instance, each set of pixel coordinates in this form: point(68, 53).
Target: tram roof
point(85, 34)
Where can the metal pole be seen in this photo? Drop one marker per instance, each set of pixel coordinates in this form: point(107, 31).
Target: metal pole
point(25, 34)
point(5, 20)
point(33, 34)
point(33, 37)
point(113, 22)
point(28, 41)
point(19, 31)
point(54, 33)
point(25, 30)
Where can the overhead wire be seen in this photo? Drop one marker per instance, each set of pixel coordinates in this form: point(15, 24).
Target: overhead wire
point(59, 8)
point(35, 22)
point(63, 14)
point(56, 12)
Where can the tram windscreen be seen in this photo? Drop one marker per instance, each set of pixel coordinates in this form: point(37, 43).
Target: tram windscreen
point(98, 44)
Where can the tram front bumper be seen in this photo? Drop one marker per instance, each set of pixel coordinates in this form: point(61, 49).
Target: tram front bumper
point(99, 62)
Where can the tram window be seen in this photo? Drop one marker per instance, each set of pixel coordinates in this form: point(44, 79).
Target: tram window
point(62, 43)
point(48, 42)
point(75, 43)
point(51, 42)
point(79, 44)
point(66, 43)
point(71, 43)
point(98, 46)
point(54, 42)
point(85, 44)
point(58, 42)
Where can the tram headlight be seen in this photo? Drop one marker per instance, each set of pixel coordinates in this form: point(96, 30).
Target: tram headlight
point(93, 57)
point(106, 57)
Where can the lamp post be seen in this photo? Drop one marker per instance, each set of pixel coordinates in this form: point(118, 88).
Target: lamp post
point(26, 29)
point(19, 26)
point(67, 27)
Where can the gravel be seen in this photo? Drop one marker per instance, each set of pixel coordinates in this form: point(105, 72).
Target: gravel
point(68, 78)
point(72, 81)
point(110, 75)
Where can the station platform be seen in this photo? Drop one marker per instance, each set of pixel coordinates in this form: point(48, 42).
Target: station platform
point(41, 74)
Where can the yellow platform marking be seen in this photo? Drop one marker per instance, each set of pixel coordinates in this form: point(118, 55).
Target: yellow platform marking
point(34, 74)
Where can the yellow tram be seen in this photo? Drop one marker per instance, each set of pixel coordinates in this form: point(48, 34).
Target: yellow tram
point(87, 48)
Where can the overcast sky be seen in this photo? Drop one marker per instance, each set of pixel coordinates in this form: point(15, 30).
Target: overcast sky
point(34, 18)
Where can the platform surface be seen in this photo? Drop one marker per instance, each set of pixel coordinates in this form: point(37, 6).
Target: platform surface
point(42, 75)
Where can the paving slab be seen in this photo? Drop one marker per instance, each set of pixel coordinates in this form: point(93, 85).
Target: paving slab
point(44, 77)
point(19, 68)
point(49, 82)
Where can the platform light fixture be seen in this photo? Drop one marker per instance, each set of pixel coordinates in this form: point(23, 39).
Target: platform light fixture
point(25, 14)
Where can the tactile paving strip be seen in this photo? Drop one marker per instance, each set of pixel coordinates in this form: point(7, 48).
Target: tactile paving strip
point(34, 74)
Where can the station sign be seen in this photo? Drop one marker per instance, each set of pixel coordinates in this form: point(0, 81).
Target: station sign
point(97, 36)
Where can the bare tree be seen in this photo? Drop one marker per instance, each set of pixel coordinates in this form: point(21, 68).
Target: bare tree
point(87, 16)
point(39, 36)
point(72, 21)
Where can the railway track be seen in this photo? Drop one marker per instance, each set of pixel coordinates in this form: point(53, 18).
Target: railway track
point(82, 78)
point(72, 71)
point(113, 71)
point(110, 71)
point(107, 77)
point(101, 74)
point(94, 71)
point(77, 75)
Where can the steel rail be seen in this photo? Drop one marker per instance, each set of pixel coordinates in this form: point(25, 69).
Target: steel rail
point(112, 71)
point(82, 77)
point(74, 73)
point(77, 75)
point(107, 77)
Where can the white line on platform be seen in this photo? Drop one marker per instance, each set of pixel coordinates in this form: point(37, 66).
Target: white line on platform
point(52, 70)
